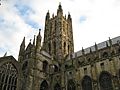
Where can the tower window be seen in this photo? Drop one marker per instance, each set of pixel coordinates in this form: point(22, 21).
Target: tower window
point(55, 26)
point(64, 47)
point(50, 28)
point(45, 65)
point(54, 48)
point(68, 48)
point(49, 48)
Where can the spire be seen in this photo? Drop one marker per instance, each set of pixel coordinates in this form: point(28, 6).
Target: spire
point(38, 41)
point(69, 16)
point(29, 45)
point(83, 52)
point(53, 15)
point(96, 47)
point(60, 11)
point(47, 15)
point(34, 41)
point(65, 16)
point(39, 32)
point(110, 41)
point(21, 51)
point(22, 46)
point(30, 41)
point(5, 54)
point(106, 44)
point(60, 7)
point(90, 50)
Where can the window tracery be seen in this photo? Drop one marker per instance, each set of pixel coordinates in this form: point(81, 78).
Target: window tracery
point(44, 85)
point(57, 87)
point(8, 77)
point(71, 85)
point(87, 83)
point(105, 81)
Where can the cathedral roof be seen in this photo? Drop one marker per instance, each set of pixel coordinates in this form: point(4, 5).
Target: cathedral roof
point(7, 58)
point(99, 45)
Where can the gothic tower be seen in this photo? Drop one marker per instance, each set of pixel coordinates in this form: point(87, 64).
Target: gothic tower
point(58, 35)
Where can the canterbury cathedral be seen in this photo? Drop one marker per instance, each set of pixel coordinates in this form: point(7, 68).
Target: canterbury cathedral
point(53, 64)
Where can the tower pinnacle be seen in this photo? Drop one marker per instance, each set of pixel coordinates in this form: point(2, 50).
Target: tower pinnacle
point(60, 11)
point(38, 41)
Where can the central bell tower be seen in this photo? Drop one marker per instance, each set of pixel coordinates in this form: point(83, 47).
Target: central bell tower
point(58, 35)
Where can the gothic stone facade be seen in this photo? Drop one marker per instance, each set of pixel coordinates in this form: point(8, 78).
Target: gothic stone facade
point(55, 66)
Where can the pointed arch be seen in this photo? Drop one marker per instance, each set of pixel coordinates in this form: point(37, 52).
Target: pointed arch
point(44, 85)
point(105, 81)
point(6, 77)
point(87, 83)
point(71, 85)
point(57, 87)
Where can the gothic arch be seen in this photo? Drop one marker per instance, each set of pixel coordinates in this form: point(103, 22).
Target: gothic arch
point(10, 72)
point(105, 81)
point(57, 87)
point(6, 81)
point(44, 85)
point(71, 85)
point(87, 83)
point(45, 66)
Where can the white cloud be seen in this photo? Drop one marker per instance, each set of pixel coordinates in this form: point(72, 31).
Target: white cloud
point(101, 20)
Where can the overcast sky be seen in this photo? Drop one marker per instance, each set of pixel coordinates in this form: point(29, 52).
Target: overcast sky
point(93, 21)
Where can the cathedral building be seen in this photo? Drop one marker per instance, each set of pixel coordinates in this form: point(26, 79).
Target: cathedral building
point(55, 66)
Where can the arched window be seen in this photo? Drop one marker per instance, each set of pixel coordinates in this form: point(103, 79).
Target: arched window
point(54, 44)
point(49, 48)
point(105, 81)
point(50, 29)
point(57, 87)
point(86, 83)
point(10, 79)
point(56, 68)
point(68, 48)
point(64, 47)
point(55, 26)
point(71, 85)
point(45, 65)
point(44, 85)
point(3, 78)
point(6, 78)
